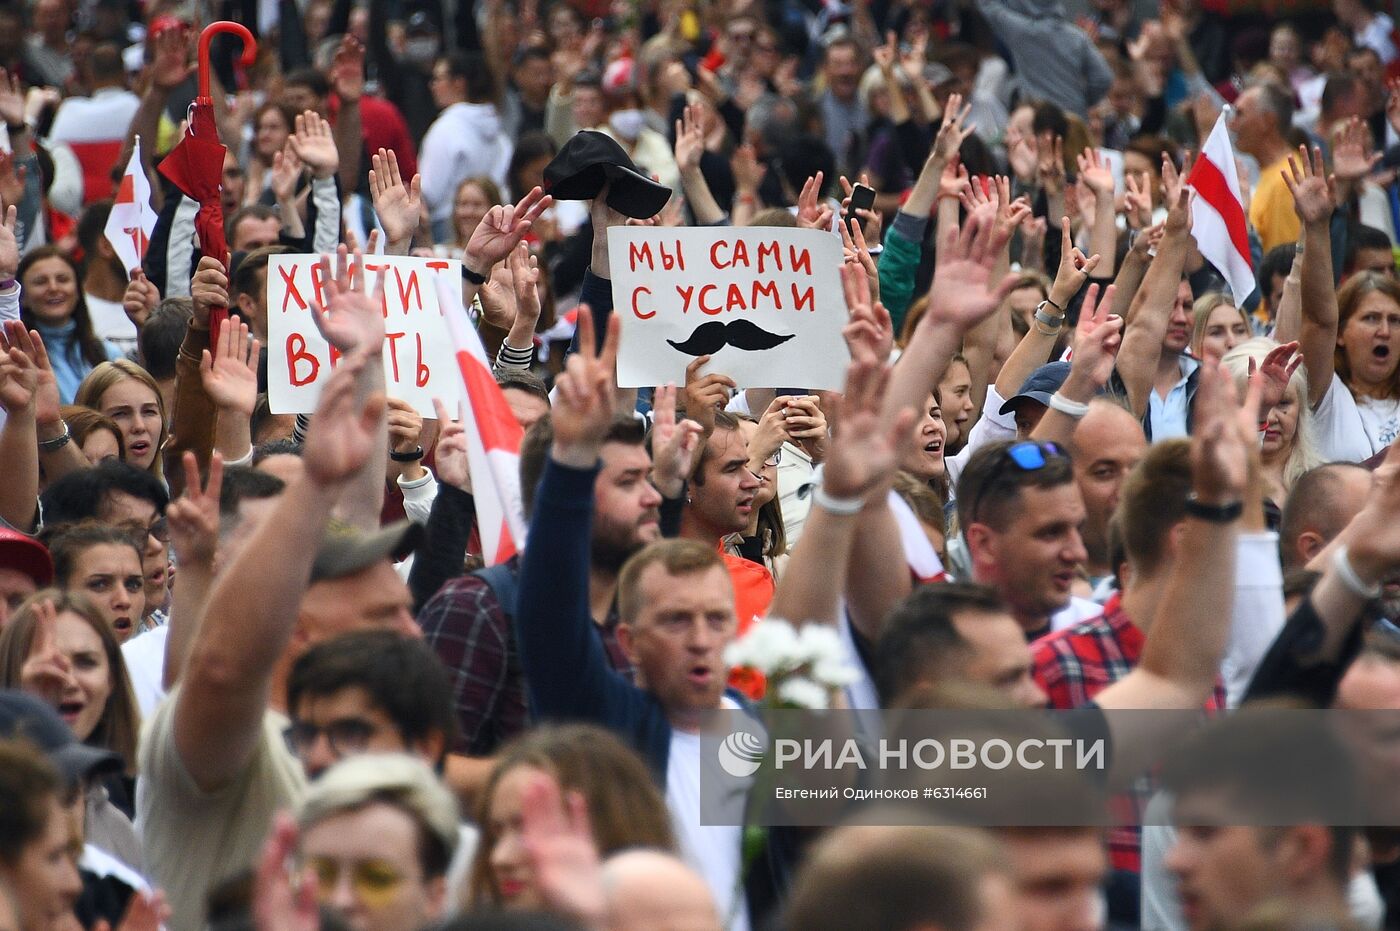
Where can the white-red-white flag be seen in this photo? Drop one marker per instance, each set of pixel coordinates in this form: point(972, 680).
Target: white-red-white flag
point(1218, 221)
point(131, 222)
point(493, 436)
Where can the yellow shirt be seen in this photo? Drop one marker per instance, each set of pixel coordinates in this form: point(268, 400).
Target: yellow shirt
point(1271, 209)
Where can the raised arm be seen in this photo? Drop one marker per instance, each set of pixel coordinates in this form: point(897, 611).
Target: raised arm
point(253, 608)
point(690, 145)
point(398, 205)
point(1314, 199)
point(19, 456)
point(994, 201)
point(1095, 174)
point(193, 421)
point(194, 536)
point(1185, 644)
point(1096, 339)
point(1035, 347)
point(960, 299)
point(863, 459)
point(1151, 307)
point(348, 81)
point(230, 378)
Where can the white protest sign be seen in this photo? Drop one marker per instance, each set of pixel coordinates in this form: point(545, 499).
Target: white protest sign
point(765, 303)
point(418, 359)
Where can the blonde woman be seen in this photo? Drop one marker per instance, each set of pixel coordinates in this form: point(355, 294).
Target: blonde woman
point(125, 392)
point(1289, 446)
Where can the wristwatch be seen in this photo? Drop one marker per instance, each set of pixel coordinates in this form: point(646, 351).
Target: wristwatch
point(1048, 320)
point(1213, 513)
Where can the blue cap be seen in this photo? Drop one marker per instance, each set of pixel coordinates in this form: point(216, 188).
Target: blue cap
point(1043, 382)
point(24, 717)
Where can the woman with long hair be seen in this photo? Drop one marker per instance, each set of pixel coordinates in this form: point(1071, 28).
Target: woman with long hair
point(126, 393)
point(1218, 326)
point(51, 302)
point(625, 808)
point(473, 199)
point(1288, 447)
point(60, 648)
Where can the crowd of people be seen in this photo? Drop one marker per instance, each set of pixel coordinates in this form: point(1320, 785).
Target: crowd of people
point(256, 673)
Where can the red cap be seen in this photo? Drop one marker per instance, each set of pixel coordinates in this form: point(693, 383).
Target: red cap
point(25, 554)
point(163, 22)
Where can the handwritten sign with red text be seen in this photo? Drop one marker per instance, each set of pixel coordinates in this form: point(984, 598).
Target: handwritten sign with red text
point(765, 303)
point(418, 360)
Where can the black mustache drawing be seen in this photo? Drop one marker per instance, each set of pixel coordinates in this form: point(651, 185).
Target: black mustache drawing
point(711, 337)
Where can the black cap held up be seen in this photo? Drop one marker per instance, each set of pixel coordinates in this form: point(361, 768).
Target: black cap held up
point(591, 159)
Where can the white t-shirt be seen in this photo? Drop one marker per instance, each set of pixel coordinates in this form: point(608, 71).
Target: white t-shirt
point(1077, 611)
point(144, 656)
point(1351, 429)
point(110, 322)
point(714, 851)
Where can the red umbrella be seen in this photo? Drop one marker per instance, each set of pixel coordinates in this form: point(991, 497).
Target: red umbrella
point(196, 164)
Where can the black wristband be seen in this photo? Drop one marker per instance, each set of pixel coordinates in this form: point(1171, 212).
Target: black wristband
point(14, 129)
point(412, 455)
point(473, 277)
point(1214, 513)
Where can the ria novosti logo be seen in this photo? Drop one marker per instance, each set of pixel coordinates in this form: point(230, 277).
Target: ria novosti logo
point(740, 754)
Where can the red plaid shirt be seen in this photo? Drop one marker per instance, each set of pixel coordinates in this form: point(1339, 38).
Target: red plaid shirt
point(1075, 665)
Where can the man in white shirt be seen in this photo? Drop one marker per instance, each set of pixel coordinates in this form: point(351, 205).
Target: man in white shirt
point(95, 127)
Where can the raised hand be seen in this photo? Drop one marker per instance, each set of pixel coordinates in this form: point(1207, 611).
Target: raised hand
point(557, 835)
point(140, 300)
point(1094, 172)
point(1050, 166)
point(1096, 339)
point(812, 214)
point(674, 444)
point(343, 432)
point(1173, 182)
point(47, 673)
point(704, 394)
point(314, 145)
point(524, 268)
point(772, 433)
point(1074, 268)
point(690, 137)
point(583, 405)
point(1314, 191)
point(863, 456)
point(170, 60)
point(1392, 103)
point(872, 221)
point(1149, 239)
point(501, 231)
point(951, 131)
point(230, 373)
point(11, 98)
point(19, 381)
point(450, 456)
point(959, 296)
point(1137, 202)
point(1276, 370)
point(1023, 158)
point(1178, 222)
point(1219, 454)
point(870, 327)
point(30, 346)
point(351, 320)
point(498, 298)
point(278, 904)
point(856, 253)
point(348, 70)
point(194, 516)
point(11, 179)
point(990, 197)
point(748, 171)
point(405, 426)
point(286, 172)
point(397, 205)
point(1352, 159)
point(954, 182)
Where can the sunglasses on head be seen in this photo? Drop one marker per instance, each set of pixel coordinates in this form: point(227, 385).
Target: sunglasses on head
point(1027, 456)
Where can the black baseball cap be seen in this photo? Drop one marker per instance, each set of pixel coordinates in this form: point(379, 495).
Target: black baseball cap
point(24, 717)
point(592, 159)
point(1042, 383)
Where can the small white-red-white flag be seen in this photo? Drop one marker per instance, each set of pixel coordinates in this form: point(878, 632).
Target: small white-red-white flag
point(493, 436)
point(1218, 221)
point(131, 222)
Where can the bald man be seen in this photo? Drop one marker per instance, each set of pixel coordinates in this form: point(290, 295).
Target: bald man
point(647, 890)
point(1107, 443)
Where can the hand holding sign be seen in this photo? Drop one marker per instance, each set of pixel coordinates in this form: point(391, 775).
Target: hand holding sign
point(705, 394)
